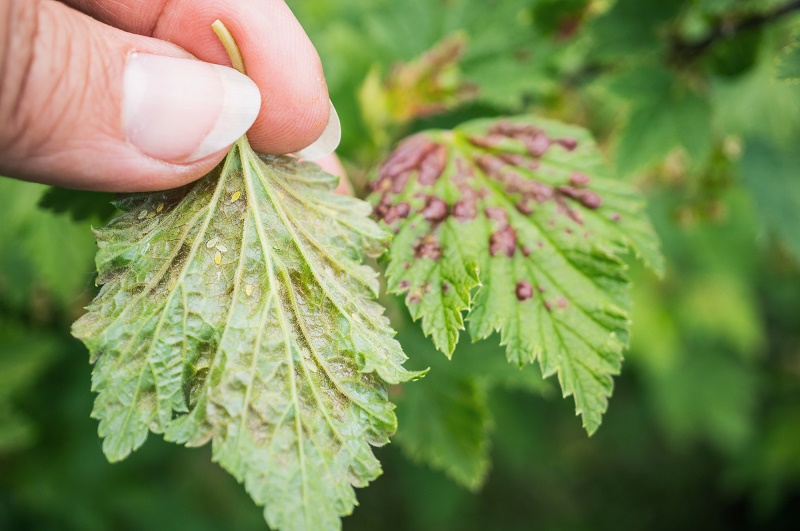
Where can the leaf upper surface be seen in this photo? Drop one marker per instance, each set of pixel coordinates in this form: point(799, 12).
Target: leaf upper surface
point(521, 210)
point(237, 310)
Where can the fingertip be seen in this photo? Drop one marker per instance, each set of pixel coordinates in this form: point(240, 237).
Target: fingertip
point(331, 164)
point(294, 115)
point(278, 55)
point(285, 65)
point(328, 141)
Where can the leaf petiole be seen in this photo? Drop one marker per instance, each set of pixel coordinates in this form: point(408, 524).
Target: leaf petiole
point(230, 45)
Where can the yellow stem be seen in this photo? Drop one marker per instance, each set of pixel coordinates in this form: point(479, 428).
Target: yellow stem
point(229, 43)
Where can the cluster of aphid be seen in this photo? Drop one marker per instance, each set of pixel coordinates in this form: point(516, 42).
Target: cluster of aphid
point(150, 215)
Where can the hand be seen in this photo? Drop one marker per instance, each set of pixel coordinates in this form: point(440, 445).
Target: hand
point(133, 99)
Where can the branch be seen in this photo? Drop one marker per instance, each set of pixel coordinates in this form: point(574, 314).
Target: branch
point(727, 28)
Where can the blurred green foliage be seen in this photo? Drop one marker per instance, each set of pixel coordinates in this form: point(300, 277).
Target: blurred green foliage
point(694, 101)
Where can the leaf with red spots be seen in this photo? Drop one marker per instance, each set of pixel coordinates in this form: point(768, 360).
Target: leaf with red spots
point(515, 222)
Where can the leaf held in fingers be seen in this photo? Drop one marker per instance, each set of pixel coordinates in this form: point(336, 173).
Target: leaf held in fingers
point(523, 209)
point(237, 310)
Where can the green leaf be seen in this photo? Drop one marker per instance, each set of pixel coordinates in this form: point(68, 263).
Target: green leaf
point(523, 209)
point(789, 61)
point(236, 310)
point(666, 114)
point(559, 17)
point(633, 27)
point(756, 105)
point(444, 419)
point(40, 253)
point(506, 56)
point(445, 423)
point(79, 204)
point(431, 84)
point(770, 173)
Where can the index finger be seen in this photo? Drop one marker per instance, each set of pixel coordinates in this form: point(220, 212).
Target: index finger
point(279, 56)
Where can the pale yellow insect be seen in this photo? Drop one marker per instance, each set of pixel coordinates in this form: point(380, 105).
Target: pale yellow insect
point(218, 258)
point(235, 197)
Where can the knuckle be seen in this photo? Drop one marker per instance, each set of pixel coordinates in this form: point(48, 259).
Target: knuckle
point(47, 72)
point(18, 33)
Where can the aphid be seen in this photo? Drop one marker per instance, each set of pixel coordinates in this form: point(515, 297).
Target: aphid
point(151, 215)
point(235, 197)
point(218, 258)
point(160, 207)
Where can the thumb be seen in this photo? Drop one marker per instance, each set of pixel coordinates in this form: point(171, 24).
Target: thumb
point(85, 105)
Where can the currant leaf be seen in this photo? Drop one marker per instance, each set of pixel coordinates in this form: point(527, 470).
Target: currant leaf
point(788, 63)
point(522, 210)
point(237, 310)
point(446, 423)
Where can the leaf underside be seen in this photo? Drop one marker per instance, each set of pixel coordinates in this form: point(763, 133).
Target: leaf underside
point(515, 222)
point(236, 310)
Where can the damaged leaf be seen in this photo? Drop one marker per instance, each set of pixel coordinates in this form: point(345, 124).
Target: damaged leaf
point(429, 85)
point(522, 210)
point(237, 310)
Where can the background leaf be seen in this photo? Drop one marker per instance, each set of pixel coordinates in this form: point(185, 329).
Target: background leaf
point(41, 255)
point(665, 114)
point(770, 173)
point(80, 204)
point(789, 62)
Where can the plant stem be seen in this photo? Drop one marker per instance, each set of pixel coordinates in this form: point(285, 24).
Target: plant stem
point(229, 43)
point(726, 28)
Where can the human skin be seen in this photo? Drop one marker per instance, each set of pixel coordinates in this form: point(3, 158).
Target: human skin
point(68, 89)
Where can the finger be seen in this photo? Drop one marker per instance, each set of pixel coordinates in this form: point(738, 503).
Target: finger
point(277, 52)
point(88, 106)
point(332, 164)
